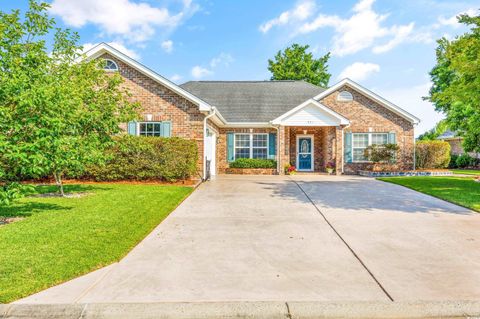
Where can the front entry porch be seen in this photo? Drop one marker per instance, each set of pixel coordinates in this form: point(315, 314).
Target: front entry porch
point(310, 149)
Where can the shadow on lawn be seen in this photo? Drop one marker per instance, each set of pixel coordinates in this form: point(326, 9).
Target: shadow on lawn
point(27, 209)
point(361, 195)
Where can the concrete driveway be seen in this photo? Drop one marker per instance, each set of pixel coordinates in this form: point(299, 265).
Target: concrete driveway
point(315, 238)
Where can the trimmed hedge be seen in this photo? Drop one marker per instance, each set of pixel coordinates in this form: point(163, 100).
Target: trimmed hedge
point(432, 154)
point(253, 163)
point(147, 158)
point(465, 160)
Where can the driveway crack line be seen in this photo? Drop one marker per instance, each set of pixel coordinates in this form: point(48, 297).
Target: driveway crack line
point(344, 241)
point(289, 315)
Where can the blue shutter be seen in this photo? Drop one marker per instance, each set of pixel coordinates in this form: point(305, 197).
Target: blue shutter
point(166, 129)
point(230, 148)
point(132, 128)
point(347, 148)
point(272, 145)
point(392, 139)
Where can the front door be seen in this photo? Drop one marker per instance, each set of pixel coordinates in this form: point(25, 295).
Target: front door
point(304, 153)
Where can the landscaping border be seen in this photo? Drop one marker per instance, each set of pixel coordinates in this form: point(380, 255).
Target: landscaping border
point(404, 173)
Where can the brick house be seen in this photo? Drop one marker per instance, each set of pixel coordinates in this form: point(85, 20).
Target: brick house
point(290, 121)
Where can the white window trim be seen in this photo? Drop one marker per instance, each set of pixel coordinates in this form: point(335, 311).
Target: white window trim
point(369, 143)
point(312, 152)
point(111, 70)
point(251, 147)
point(147, 122)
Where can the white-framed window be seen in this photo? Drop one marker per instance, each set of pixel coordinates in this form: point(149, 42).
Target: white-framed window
point(251, 145)
point(344, 96)
point(360, 141)
point(110, 65)
point(150, 128)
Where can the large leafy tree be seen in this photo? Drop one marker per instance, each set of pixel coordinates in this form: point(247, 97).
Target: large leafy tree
point(58, 110)
point(295, 63)
point(456, 83)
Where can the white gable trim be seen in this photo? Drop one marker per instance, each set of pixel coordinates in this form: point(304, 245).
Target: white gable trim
point(102, 48)
point(377, 98)
point(281, 119)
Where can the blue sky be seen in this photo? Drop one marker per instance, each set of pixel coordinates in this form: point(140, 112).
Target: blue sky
point(385, 45)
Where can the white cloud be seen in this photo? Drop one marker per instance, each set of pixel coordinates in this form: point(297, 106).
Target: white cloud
point(175, 78)
point(222, 59)
point(359, 71)
point(453, 21)
point(199, 72)
point(117, 45)
point(361, 30)
point(167, 46)
point(131, 20)
point(410, 99)
point(302, 11)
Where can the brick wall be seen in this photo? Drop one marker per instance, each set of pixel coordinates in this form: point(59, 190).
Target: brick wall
point(164, 105)
point(365, 116)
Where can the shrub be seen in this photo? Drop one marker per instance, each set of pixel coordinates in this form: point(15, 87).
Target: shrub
point(453, 161)
point(381, 153)
point(432, 154)
point(253, 163)
point(465, 160)
point(147, 158)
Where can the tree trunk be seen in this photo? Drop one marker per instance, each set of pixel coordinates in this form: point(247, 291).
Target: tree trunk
point(58, 181)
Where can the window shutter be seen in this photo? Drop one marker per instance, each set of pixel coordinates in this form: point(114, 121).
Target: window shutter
point(272, 145)
point(132, 128)
point(347, 148)
point(166, 129)
point(392, 139)
point(230, 148)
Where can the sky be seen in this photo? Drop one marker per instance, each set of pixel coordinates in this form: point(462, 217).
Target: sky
point(387, 46)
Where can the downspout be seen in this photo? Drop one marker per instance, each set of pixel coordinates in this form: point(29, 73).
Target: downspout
point(414, 149)
point(343, 148)
point(210, 114)
point(278, 145)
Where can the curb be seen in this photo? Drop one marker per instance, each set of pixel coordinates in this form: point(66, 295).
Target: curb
point(262, 310)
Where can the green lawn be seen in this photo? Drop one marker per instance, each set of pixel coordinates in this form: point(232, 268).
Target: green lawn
point(466, 171)
point(62, 238)
point(463, 191)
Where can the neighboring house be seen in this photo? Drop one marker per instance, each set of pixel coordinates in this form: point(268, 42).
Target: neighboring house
point(290, 121)
point(455, 142)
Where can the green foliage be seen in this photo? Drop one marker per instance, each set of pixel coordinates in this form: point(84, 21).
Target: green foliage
point(146, 158)
point(57, 110)
point(432, 154)
point(453, 161)
point(465, 160)
point(294, 63)
point(435, 132)
point(253, 163)
point(381, 153)
point(456, 83)
point(11, 191)
point(61, 239)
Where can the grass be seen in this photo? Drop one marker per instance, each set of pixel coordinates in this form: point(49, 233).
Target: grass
point(463, 191)
point(62, 238)
point(466, 171)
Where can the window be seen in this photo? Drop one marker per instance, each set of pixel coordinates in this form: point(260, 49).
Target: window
point(360, 141)
point(154, 129)
point(110, 65)
point(251, 146)
point(344, 96)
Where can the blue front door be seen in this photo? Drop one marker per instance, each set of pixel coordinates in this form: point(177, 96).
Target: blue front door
point(304, 153)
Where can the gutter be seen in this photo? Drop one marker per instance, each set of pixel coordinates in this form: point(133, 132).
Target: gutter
point(211, 113)
point(343, 148)
point(278, 145)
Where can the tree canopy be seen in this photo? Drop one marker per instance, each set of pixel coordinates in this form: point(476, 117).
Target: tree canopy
point(58, 110)
point(295, 63)
point(456, 83)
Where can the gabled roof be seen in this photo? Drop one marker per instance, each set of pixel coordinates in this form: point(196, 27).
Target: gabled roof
point(449, 135)
point(253, 101)
point(103, 48)
point(377, 98)
point(323, 114)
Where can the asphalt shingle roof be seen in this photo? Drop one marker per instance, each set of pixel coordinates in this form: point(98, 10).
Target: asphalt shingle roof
point(253, 101)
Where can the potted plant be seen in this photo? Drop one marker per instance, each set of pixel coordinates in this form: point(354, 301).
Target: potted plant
point(290, 169)
point(330, 167)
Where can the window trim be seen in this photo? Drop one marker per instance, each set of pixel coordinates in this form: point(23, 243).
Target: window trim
point(111, 70)
point(369, 143)
point(151, 122)
point(250, 147)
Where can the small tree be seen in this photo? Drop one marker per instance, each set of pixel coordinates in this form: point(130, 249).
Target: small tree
point(58, 111)
point(294, 63)
point(385, 153)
